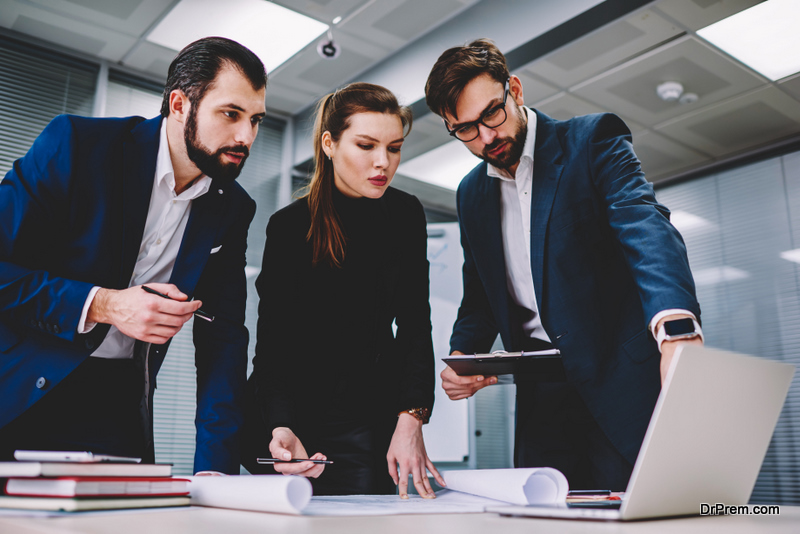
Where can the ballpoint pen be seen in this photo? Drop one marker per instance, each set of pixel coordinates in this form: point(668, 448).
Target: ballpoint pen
point(198, 313)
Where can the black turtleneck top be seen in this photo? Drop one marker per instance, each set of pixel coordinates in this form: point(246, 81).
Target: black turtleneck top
point(326, 343)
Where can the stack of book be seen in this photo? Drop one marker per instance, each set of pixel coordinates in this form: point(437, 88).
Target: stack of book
point(73, 486)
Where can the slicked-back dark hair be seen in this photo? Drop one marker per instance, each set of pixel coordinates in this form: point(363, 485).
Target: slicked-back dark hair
point(195, 68)
point(458, 66)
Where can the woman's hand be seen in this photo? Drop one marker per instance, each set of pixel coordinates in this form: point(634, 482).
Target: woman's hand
point(408, 450)
point(285, 446)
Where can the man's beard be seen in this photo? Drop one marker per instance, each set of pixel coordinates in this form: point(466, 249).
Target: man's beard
point(511, 156)
point(211, 163)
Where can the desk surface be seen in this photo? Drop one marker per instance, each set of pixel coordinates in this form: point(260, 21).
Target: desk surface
point(196, 520)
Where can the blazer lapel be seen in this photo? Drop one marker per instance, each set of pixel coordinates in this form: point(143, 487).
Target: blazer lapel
point(205, 221)
point(489, 249)
point(547, 170)
point(139, 168)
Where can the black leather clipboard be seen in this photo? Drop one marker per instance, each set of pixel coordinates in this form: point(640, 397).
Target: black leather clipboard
point(542, 365)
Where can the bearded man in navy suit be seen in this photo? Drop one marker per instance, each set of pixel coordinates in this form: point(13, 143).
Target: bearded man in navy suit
point(94, 211)
point(564, 245)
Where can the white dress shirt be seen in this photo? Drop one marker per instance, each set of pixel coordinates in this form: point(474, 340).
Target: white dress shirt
point(163, 232)
point(515, 218)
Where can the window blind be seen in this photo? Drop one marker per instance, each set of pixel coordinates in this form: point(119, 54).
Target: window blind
point(35, 86)
point(739, 226)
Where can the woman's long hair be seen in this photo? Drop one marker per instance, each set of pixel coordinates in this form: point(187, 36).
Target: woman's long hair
point(333, 115)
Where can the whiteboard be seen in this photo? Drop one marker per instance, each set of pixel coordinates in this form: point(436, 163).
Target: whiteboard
point(447, 434)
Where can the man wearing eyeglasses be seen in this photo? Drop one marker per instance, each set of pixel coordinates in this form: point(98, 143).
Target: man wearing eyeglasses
point(564, 245)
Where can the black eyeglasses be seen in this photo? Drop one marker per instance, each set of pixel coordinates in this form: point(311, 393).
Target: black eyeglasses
point(491, 118)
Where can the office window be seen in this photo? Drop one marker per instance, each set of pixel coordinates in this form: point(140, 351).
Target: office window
point(35, 86)
point(742, 232)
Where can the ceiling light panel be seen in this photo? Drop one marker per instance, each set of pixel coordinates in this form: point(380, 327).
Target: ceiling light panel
point(273, 32)
point(764, 37)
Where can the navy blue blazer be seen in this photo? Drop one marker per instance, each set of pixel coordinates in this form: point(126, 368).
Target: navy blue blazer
point(72, 215)
point(604, 258)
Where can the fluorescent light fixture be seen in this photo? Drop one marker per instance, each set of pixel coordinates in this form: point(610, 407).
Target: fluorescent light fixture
point(444, 166)
point(685, 221)
point(791, 255)
point(272, 32)
point(718, 275)
point(764, 37)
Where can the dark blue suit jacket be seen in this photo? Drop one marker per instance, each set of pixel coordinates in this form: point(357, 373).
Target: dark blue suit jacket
point(72, 215)
point(604, 257)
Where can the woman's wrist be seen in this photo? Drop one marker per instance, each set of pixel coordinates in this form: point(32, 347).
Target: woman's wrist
point(423, 415)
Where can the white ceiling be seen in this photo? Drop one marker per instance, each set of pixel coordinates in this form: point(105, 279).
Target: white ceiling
point(614, 68)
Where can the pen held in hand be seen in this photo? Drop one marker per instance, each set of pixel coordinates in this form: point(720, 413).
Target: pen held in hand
point(199, 313)
point(292, 461)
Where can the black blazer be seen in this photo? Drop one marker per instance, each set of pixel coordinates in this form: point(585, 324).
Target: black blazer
point(325, 334)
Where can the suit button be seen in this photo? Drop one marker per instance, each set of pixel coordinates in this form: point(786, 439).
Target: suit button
point(89, 344)
point(49, 327)
point(56, 329)
point(41, 382)
point(41, 325)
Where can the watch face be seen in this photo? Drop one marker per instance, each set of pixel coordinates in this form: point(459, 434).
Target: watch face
point(679, 327)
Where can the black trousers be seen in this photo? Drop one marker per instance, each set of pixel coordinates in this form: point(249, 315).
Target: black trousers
point(555, 429)
point(97, 408)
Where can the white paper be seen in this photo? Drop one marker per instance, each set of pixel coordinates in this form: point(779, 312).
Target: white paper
point(446, 502)
point(258, 493)
point(523, 486)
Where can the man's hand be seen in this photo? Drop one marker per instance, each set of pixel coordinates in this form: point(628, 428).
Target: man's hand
point(285, 446)
point(461, 387)
point(141, 315)
point(408, 450)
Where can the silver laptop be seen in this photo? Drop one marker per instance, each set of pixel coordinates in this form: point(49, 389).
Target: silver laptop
point(706, 441)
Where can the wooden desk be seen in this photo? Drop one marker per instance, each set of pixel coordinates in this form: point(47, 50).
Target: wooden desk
point(210, 520)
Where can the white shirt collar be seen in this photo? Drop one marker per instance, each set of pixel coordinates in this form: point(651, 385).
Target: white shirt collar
point(527, 149)
point(165, 173)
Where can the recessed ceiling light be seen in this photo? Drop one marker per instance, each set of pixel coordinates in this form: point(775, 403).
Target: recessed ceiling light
point(685, 221)
point(444, 166)
point(273, 32)
point(763, 37)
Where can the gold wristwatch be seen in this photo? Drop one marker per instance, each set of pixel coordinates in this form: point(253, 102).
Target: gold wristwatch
point(420, 414)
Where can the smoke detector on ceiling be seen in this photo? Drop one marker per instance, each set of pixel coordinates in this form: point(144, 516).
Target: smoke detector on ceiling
point(673, 91)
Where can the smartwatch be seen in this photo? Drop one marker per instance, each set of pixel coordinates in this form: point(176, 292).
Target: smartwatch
point(676, 329)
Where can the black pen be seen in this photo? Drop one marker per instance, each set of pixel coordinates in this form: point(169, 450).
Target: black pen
point(198, 313)
point(292, 461)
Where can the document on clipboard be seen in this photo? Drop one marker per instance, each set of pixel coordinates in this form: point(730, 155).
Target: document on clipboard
point(541, 365)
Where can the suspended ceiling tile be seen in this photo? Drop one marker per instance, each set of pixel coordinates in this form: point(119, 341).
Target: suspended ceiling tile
point(662, 157)
point(286, 99)
point(128, 17)
point(630, 89)
point(394, 24)
point(565, 106)
point(791, 86)
point(603, 48)
point(533, 89)
point(68, 33)
point(696, 14)
point(749, 121)
point(312, 74)
point(151, 58)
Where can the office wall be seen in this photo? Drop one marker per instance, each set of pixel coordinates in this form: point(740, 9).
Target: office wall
point(742, 232)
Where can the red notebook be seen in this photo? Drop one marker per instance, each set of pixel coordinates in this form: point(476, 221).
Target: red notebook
point(97, 486)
